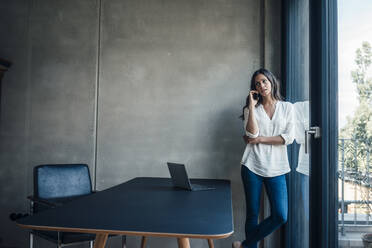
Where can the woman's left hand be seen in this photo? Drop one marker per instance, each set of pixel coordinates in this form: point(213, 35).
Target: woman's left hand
point(251, 140)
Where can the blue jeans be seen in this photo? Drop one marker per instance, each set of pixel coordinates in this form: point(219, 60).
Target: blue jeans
point(276, 189)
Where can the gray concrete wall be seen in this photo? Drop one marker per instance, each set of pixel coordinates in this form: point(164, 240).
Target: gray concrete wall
point(126, 86)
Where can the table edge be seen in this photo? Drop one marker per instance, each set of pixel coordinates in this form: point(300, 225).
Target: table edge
point(133, 233)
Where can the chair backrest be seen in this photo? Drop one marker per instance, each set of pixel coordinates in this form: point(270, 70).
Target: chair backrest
point(61, 180)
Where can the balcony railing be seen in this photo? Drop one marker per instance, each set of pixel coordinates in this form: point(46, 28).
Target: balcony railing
point(355, 183)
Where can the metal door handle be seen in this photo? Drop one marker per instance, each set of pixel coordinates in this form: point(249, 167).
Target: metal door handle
point(313, 130)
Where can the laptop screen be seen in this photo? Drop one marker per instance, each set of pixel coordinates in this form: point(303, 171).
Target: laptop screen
point(179, 175)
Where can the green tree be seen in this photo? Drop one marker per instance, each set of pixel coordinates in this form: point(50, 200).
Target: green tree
point(359, 126)
point(358, 130)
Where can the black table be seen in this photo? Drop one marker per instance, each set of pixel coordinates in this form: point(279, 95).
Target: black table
point(146, 207)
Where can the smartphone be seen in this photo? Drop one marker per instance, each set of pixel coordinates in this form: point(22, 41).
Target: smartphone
point(255, 96)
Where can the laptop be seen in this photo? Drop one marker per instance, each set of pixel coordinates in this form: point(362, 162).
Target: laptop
point(181, 180)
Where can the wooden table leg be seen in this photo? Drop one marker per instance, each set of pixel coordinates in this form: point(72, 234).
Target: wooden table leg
point(183, 243)
point(210, 243)
point(143, 242)
point(123, 241)
point(100, 241)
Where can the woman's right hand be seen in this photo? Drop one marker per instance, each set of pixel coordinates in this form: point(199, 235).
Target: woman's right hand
point(252, 101)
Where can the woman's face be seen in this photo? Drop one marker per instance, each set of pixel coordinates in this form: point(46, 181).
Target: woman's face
point(263, 85)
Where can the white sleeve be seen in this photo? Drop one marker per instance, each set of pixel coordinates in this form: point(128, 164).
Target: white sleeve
point(288, 133)
point(301, 120)
point(250, 135)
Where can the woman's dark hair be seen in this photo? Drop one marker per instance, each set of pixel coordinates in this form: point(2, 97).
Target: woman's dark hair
point(275, 87)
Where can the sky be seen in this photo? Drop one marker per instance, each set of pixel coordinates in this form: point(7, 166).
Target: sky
point(354, 27)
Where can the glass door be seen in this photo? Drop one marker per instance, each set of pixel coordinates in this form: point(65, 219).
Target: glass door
point(297, 68)
point(323, 200)
point(311, 85)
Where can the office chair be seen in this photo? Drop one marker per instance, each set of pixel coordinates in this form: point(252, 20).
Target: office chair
point(55, 185)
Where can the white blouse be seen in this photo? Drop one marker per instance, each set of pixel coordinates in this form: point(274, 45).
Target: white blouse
point(270, 160)
point(301, 115)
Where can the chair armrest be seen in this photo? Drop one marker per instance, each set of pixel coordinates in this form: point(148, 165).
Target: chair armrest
point(44, 202)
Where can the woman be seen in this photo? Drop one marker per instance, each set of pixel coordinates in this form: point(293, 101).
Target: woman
point(268, 124)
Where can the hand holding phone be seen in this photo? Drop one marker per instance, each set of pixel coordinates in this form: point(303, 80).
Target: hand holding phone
point(253, 98)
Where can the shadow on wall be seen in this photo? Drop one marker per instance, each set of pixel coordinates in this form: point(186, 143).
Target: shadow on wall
point(228, 147)
point(227, 144)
